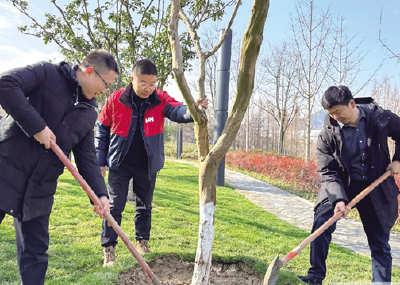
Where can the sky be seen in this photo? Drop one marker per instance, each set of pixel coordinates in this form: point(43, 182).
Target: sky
point(362, 19)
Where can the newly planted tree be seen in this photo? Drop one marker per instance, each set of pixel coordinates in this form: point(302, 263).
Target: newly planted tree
point(209, 158)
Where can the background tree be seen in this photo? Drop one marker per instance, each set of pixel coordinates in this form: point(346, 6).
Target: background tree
point(280, 91)
point(341, 62)
point(387, 95)
point(394, 54)
point(130, 30)
point(347, 60)
point(209, 159)
point(311, 30)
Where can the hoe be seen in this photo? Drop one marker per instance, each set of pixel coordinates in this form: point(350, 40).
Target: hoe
point(110, 219)
point(272, 274)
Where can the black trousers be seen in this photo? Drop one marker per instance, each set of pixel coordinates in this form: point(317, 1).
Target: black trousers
point(32, 239)
point(2, 215)
point(378, 239)
point(118, 187)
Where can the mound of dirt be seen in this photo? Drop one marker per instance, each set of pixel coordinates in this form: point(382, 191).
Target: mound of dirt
point(171, 270)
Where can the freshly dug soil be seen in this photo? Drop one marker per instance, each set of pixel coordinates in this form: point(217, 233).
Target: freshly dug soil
point(171, 270)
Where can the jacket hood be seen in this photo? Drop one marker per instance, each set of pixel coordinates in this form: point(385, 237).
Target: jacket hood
point(69, 74)
point(329, 121)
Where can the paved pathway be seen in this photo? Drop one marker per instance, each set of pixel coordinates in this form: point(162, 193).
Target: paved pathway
point(299, 212)
point(348, 233)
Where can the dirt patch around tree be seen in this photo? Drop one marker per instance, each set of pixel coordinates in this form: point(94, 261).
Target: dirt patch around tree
point(171, 270)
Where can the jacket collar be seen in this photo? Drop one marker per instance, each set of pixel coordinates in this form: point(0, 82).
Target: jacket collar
point(373, 114)
point(362, 115)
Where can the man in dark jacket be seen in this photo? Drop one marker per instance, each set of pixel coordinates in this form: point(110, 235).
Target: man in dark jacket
point(130, 141)
point(43, 102)
point(353, 152)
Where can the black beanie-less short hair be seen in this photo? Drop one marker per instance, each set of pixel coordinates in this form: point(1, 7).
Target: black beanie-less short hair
point(336, 95)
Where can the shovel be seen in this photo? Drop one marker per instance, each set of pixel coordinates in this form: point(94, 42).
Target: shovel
point(108, 216)
point(272, 274)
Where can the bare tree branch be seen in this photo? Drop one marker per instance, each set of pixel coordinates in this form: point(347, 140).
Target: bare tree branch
point(383, 42)
point(218, 45)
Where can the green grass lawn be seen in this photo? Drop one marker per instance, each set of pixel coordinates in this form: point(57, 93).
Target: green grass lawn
point(243, 231)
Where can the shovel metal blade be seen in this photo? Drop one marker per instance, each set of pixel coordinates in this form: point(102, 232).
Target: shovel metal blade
point(272, 274)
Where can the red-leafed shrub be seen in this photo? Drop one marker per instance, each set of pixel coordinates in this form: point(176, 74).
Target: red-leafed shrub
point(296, 172)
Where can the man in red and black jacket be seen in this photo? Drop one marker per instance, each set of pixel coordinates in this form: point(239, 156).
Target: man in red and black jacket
point(130, 141)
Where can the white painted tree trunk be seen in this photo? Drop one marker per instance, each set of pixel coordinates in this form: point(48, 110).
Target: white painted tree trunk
point(203, 262)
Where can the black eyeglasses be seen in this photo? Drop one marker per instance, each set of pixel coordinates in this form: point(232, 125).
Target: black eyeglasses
point(105, 82)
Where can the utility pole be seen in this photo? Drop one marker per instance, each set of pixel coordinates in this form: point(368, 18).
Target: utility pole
point(222, 97)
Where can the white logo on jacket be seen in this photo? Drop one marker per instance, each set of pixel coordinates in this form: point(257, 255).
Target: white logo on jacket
point(148, 120)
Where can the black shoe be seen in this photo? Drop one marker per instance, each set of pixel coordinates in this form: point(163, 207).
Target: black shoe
point(310, 280)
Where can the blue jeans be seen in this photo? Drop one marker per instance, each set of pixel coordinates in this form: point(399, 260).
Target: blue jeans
point(2, 215)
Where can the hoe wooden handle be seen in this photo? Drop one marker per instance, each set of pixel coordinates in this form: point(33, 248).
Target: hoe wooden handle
point(108, 216)
point(333, 219)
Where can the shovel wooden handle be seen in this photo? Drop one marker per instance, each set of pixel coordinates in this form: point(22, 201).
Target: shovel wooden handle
point(108, 216)
point(333, 219)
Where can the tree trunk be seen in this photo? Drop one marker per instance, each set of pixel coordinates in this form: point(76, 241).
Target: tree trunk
point(248, 130)
point(209, 160)
point(203, 261)
point(308, 130)
point(281, 135)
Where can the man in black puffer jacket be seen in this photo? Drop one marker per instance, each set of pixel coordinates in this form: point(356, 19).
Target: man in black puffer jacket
point(43, 102)
point(353, 152)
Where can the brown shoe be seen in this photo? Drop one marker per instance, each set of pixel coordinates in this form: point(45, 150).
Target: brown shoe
point(142, 246)
point(109, 256)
